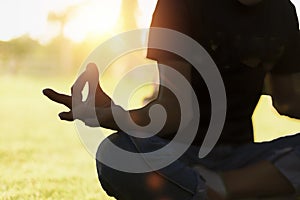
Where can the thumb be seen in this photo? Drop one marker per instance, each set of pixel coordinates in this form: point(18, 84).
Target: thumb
point(67, 116)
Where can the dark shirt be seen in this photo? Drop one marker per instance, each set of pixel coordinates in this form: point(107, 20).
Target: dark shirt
point(246, 43)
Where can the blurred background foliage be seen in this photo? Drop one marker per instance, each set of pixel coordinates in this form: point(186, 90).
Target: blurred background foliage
point(69, 44)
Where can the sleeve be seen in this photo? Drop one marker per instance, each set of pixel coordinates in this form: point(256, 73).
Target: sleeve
point(170, 14)
point(290, 61)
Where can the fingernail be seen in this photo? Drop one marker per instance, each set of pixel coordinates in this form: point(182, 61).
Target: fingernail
point(91, 65)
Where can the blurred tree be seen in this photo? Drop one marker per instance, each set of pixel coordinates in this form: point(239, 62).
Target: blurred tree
point(14, 53)
point(63, 17)
point(127, 18)
point(65, 47)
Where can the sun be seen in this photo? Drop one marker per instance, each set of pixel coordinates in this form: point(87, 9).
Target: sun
point(95, 18)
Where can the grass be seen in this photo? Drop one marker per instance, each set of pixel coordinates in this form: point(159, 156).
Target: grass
point(43, 158)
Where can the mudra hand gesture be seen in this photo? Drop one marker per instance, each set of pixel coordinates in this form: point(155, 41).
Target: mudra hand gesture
point(83, 110)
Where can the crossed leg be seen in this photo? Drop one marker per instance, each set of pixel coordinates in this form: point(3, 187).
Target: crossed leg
point(273, 170)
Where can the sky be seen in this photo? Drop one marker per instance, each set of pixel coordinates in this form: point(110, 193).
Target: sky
point(19, 17)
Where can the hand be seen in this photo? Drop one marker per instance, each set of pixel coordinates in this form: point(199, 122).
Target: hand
point(79, 109)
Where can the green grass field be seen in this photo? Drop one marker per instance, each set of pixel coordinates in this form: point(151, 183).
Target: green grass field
point(43, 158)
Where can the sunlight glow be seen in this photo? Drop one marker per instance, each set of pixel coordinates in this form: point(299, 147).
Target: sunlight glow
point(146, 8)
point(96, 18)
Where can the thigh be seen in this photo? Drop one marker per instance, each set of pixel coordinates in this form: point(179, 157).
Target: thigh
point(176, 181)
point(224, 158)
point(270, 151)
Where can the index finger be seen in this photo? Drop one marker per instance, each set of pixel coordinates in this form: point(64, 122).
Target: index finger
point(59, 98)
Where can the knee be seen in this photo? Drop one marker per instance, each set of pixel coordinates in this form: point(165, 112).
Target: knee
point(119, 139)
point(110, 178)
point(105, 149)
point(107, 176)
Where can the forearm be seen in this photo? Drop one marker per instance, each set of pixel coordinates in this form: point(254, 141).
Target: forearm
point(133, 120)
point(165, 122)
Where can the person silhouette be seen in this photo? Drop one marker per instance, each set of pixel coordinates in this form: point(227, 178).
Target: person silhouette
point(256, 46)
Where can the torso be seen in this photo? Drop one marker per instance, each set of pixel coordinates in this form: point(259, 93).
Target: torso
point(245, 42)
